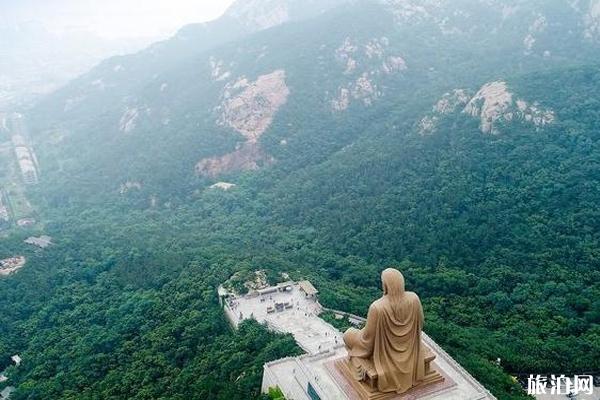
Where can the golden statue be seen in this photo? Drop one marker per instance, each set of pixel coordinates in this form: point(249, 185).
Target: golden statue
point(387, 357)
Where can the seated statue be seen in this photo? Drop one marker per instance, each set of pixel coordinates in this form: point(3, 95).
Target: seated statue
point(387, 353)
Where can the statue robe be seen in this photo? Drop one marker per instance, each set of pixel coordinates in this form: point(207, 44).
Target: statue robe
point(392, 339)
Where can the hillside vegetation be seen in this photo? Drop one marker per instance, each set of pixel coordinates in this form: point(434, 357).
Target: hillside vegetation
point(452, 148)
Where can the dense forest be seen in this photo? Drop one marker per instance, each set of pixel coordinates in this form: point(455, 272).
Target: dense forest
point(503, 256)
point(498, 233)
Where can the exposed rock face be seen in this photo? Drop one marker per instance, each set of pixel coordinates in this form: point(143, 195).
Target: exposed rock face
point(372, 56)
point(345, 53)
point(365, 90)
point(249, 108)
point(537, 26)
point(448, 16)
point(128, 120)
point(11, 265)
point(494, 103)
point(394, 64)
point(449, 103)
point(408, 9)
point(256, 15)
point(251, 112)
point(592, 21)
point(259, 14)
point(528, 42)
point(490, 104)
point(428, 124)
point(128, 186)
point(218, 71)
point(375, 47)
point(452, 17)
point(342, 101)
point(249, 157)
point(534, 114)
point(364, 63)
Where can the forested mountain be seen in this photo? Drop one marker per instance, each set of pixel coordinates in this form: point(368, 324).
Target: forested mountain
point(456, 139)
point(155, 115)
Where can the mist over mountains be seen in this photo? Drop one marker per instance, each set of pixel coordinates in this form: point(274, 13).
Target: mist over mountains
point(35, 61)
point(369, 53)
point(327, 140)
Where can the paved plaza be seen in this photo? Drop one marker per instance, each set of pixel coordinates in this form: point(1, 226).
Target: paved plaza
point(299, 317)
point(288, 308)
point(295, 374)
point(581, 396)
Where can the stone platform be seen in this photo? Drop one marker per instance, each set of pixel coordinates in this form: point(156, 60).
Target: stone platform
point(314, 375)
point(359, 391)
point(294, 375)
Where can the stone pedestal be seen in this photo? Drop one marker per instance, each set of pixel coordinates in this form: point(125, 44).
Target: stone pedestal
point(361, 375)
point(295, 375)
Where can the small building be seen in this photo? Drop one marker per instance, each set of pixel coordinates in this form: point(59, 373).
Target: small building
point(4, 215)
point(42, 242)
point(16, 359)
point(267, 290)
point(284, 286)
point(223, 186)
point(26, 159)
point(28, 170)
point(308, 289)
point(24, 222)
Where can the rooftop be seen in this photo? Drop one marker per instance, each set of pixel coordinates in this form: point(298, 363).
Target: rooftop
point(223, 185)
point(41, 242)
point(308, 288)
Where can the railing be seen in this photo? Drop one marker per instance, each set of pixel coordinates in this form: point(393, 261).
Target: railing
point(485, 394)
point(345, 314)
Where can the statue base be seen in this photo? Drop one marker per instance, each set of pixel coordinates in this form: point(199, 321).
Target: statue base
point(366, 389)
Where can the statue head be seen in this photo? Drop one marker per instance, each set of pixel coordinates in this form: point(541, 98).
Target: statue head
point(393, 282)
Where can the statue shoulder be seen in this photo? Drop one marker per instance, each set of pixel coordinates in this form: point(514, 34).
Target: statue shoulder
point(376, 305)
point(413, 296)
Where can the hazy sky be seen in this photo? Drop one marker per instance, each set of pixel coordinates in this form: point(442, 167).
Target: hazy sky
point(113, 18)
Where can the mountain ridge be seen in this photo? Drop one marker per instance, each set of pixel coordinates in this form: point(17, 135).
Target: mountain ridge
point(360, 81)
point(457, 141)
